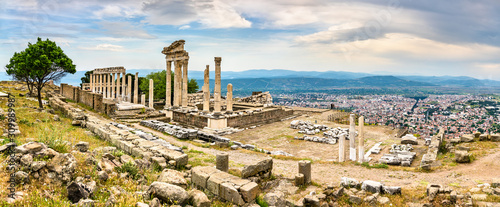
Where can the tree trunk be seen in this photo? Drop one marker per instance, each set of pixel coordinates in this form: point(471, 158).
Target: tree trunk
point(40, 97)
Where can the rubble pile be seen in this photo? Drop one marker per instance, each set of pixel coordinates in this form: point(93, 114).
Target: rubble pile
point(331, 135)
point(399, 155)
point(262, 98)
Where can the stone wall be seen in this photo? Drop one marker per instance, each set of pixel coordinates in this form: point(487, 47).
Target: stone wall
point(131, 143)
point(190, 120)
point(262, 117)
point(92, 100)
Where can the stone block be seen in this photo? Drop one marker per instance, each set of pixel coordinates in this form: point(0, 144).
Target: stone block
point(249, 191)
point(215, 180)
point(371, 186)
point(201, 174)
point(229, 193)
point(265, 165)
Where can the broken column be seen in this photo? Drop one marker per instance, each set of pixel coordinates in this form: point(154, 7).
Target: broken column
point(305, 169)
point(217, 90)
point(222, 161)
point(229, 99)
point(129, 89)
point(136, 87)
point(168, 97)
point(361, 137)
point(151, 93)
point(352, 137)
point(184, 82)
point(143, 99)
point(206, 92)
point(113, 86)
point(341, 148)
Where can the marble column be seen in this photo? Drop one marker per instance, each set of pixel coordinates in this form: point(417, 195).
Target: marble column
point(105, 86)
point(206, 92)
point(124, 84)
point(101, 84)
point(113, 86)
point(168, 97)
point(352, 137)
point(185, 83)
point(136, 87)
point(341, 148)
point(118, 86)
point(151, 93)
point(143, 99)
point(176, 83)
point(361, 137)
point(229, 99)
point(129, 89)
point(217, 90)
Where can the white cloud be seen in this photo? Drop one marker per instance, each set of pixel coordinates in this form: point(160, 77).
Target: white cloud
point(124, 29)
point(183, 27)
point(105, 47)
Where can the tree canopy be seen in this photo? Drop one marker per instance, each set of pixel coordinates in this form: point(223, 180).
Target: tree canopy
point(39, 63)
point(160, 84)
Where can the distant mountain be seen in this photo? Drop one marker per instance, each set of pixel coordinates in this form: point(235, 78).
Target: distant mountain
point(280, 73)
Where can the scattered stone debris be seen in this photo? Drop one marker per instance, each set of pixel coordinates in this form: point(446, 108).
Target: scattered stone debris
point(399, 155)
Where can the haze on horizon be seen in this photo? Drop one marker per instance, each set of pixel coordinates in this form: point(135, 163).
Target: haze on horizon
point(398, 37)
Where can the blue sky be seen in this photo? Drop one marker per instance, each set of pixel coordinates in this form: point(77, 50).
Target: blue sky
point(424, 37)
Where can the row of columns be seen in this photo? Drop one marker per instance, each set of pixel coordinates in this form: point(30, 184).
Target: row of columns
point(180, 83)
point(105, 84)
point(352, 141)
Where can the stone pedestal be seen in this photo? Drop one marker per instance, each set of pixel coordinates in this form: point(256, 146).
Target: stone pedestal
point(217, 90)
point(168, 97)
point(229, 99)
point(222, 161)
point(361, 138)
point(151, 93)
point(217, 123)
point(305, 169)
point(206, 92)
point(341, 148)
point(352, 137)
point(136, 87)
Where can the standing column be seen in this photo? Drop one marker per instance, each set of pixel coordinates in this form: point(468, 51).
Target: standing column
point(129, 89)
point(113, 86)
point(118, 85)
point(341, 147)
point(168, 97)
point(185, 83)
point(136, 87)
point(123, 86)
point(217, 89)
point(151, 93)
point(90, 82)
point(361, 138)
point(206, 92)
point(352, 137)
point(101, 84)
point(229, 99)
point(176, 84)
point(105, 85)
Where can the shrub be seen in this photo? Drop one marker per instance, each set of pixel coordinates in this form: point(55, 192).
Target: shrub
point(129, 168)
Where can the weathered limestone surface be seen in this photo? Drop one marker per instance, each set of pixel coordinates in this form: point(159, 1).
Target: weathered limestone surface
point(262, 167)
point(151, 93)
point(229, 99)
point(206, 91)
point(305, 169)
point(222, 161)
point(224, 185)
point(341, 148)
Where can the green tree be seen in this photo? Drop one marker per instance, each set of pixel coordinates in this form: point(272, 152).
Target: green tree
point(40, 63)
point(86, 78)
point(160, 84)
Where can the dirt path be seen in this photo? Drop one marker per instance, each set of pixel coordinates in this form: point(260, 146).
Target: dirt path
point(483, 170)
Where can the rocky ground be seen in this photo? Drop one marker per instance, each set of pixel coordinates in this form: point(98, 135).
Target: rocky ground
point(73, 164)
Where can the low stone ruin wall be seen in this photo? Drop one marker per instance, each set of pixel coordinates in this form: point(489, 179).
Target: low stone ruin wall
point(430, 157)
point(224, 185)
point(124, 139)
point(190, 120)
point(261, 117)
point(92, 100)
